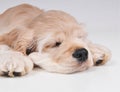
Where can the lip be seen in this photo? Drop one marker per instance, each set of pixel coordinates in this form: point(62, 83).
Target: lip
point(78, 64)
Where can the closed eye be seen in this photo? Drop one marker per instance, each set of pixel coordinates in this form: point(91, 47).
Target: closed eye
point(57, 44)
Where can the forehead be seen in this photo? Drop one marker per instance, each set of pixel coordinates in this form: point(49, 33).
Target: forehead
point(57, 23)
point(68, 32)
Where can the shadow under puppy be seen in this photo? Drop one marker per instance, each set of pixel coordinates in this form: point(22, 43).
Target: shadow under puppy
point(52, 39)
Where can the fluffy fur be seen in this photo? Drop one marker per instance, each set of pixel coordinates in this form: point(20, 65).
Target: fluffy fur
point(49, 37)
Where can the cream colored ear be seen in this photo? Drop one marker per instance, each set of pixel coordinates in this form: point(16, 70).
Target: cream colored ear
point(2, 39)
point(23, 39)
point(31, 47)
point(9, 37)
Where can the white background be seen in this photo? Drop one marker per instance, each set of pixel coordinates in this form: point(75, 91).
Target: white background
point(102, 20)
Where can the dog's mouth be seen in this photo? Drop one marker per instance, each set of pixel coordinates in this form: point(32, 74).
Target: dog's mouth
point(69, 69)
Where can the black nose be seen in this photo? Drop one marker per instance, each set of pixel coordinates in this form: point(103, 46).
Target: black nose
point(80, 54)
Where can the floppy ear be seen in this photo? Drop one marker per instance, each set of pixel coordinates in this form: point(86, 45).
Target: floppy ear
point(31, 47)
point(8, 38)
point(2, 39)
point(25, 41)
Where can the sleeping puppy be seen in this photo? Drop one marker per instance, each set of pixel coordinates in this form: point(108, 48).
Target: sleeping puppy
point(53, 40)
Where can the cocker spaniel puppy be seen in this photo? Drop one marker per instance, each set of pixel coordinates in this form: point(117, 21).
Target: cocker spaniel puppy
point(53, 40)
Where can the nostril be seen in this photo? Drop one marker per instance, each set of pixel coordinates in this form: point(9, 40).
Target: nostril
point(80, 54)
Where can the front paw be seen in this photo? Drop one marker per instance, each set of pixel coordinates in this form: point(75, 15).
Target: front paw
point(101, 56)
point(14, 64)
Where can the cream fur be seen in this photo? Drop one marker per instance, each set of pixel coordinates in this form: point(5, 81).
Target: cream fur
point(13, 61)
point(27, 27)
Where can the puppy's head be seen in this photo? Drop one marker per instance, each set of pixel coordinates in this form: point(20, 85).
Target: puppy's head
point(61, 43)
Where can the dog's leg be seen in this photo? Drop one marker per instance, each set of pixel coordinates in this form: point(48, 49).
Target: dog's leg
point(13, 63)
point(100, 54)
